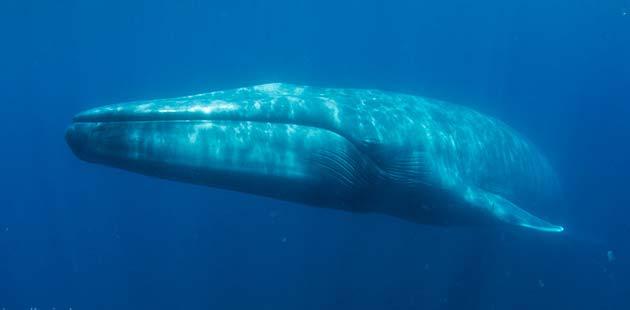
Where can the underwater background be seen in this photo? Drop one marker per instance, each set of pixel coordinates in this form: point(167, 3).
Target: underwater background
point(82, 236)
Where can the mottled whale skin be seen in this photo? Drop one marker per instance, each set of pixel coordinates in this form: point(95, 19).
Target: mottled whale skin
point(358, 150)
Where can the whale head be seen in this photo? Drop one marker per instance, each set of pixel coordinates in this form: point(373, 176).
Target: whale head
point(259, 140)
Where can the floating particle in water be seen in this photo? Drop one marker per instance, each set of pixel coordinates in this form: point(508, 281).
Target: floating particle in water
point(284, 240)
point(541, 283)
point(611, 256)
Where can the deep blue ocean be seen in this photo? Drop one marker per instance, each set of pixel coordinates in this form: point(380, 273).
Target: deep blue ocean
point(82, 236)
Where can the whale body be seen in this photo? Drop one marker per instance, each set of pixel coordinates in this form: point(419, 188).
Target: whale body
point(357, 150)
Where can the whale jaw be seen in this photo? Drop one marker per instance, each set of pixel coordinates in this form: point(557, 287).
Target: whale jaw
point(285, 161)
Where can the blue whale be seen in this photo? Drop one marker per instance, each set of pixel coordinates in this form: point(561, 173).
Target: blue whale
point(357, 150)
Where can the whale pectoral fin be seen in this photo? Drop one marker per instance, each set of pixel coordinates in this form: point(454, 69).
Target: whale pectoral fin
point(507, 212)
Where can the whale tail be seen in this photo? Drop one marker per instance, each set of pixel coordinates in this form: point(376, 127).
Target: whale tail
point(507, 212)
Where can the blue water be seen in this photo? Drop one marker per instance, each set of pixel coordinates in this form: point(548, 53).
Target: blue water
point(89, 237)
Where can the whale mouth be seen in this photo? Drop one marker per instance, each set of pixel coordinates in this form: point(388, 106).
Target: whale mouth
point(200, 109)
point(237, 146)
point(187, 109)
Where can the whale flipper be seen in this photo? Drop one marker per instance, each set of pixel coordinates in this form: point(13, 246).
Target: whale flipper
point(507, 212)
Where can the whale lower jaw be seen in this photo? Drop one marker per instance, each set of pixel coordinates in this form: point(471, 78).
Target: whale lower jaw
point(286, 161)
